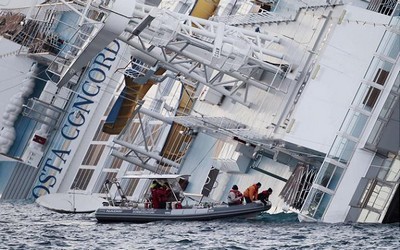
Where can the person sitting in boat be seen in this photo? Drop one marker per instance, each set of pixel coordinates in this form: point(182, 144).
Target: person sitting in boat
point(235, 197)
point(264, 195)
point(251, 193)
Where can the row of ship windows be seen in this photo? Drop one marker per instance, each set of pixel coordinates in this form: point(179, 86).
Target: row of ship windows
point(377, 190)
point(93, 155)
point(355, 121)
point(91, 160)
point(95, 152)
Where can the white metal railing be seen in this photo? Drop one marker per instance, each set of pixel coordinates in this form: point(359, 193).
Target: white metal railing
point(283, 11)
point(69, 50)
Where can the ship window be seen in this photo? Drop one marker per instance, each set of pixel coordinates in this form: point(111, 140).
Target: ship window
point(329, 175)
point(360, 97)
point(396, 86)
point(128, 186)
point(373, 93)
point(389, 169)
point(99, 186)
point(379, 71)
point(366, 194)
point(335, 178)
point(384, 115)
point(390, 45)
point(378, 192)
point(342, 149)
point(375, 133)
point(325, 199)
point(318, 201)
point(82, 179)
point(355, 123)
point(93, 155)
point(100, 135)
point(371, 97)
point(376, 195)
point(388, 106)
point(116, 163)
point(368, 216)
point(394, 172)
point(379, 196)
point(325, 174)
point(313, 200)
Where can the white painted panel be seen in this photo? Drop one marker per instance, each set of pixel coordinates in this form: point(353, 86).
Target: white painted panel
point(342, 62)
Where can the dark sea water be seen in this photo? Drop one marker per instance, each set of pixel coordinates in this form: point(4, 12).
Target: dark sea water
point(27, 226)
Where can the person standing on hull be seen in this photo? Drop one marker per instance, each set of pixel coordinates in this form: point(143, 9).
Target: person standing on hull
point(235, 197)
point(251, 193)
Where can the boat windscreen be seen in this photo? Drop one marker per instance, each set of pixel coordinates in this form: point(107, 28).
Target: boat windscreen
point(199, 198)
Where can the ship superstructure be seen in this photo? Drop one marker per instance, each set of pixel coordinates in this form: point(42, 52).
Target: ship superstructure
point(302, 96)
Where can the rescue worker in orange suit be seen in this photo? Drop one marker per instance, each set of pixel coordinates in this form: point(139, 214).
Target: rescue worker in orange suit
point(235, 197)
point(264, 195)
point(251, 193)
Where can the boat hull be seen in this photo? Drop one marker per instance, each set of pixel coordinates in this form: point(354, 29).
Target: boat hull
point(143, 215)
point(70, 202)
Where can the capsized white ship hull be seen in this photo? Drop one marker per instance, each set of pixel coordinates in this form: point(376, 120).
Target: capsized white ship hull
point(299, 95)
